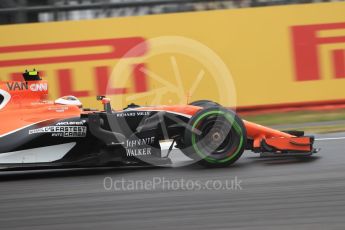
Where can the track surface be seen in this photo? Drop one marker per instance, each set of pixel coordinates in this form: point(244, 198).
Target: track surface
point(276, 194)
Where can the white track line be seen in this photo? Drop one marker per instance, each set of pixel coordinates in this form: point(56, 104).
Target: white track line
point(330, 139)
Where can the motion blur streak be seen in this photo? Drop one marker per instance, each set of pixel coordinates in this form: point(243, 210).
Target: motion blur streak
point(277, 193)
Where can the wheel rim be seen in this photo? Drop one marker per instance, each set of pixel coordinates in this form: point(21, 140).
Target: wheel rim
point(231, 143)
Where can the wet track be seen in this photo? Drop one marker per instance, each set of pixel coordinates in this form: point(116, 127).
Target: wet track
point(276, 193)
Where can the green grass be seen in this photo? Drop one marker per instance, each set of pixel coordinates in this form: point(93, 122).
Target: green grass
point(296, 117)
point(324, 129)
point(302, 117)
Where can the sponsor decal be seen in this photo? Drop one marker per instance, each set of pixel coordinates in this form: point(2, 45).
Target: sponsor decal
point(37, 87)
point(59, 109)
point(68, 123)
point(62, 131)
point(139, 147)
point(133, 114)
point(13, 86)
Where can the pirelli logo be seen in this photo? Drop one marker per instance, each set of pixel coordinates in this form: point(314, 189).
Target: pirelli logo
point(33, 55)
point(308, 40)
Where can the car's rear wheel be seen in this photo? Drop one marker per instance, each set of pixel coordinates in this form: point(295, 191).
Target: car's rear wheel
point(216, 137)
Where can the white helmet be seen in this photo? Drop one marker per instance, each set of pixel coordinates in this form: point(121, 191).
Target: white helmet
point(68, 100)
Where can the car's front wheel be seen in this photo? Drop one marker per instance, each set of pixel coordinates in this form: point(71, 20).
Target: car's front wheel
point(216, 137)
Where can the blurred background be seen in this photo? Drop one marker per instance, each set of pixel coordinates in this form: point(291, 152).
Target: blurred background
point(24, 11)
point(279, 63)
point(286, 57)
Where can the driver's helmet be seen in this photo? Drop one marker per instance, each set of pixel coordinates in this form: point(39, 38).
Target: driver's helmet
point(69, 100)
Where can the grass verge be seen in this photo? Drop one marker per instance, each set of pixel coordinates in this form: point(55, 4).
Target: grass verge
point(301, 117)
point(296, 117)
point(324, 129)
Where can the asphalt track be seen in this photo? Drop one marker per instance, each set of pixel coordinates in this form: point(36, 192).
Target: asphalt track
point(276, 194)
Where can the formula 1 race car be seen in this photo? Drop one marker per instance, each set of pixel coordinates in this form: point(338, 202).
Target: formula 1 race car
point(36, 133)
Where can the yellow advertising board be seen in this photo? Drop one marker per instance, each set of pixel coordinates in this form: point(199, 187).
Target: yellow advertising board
point(244, 57)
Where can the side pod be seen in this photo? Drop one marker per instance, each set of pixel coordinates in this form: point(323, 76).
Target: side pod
point(108, 137)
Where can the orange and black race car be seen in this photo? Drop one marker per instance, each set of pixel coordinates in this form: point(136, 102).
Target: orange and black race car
point(36, 133)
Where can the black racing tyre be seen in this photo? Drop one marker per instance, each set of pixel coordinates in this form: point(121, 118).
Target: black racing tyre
point(204, 103)
point(216, 137)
